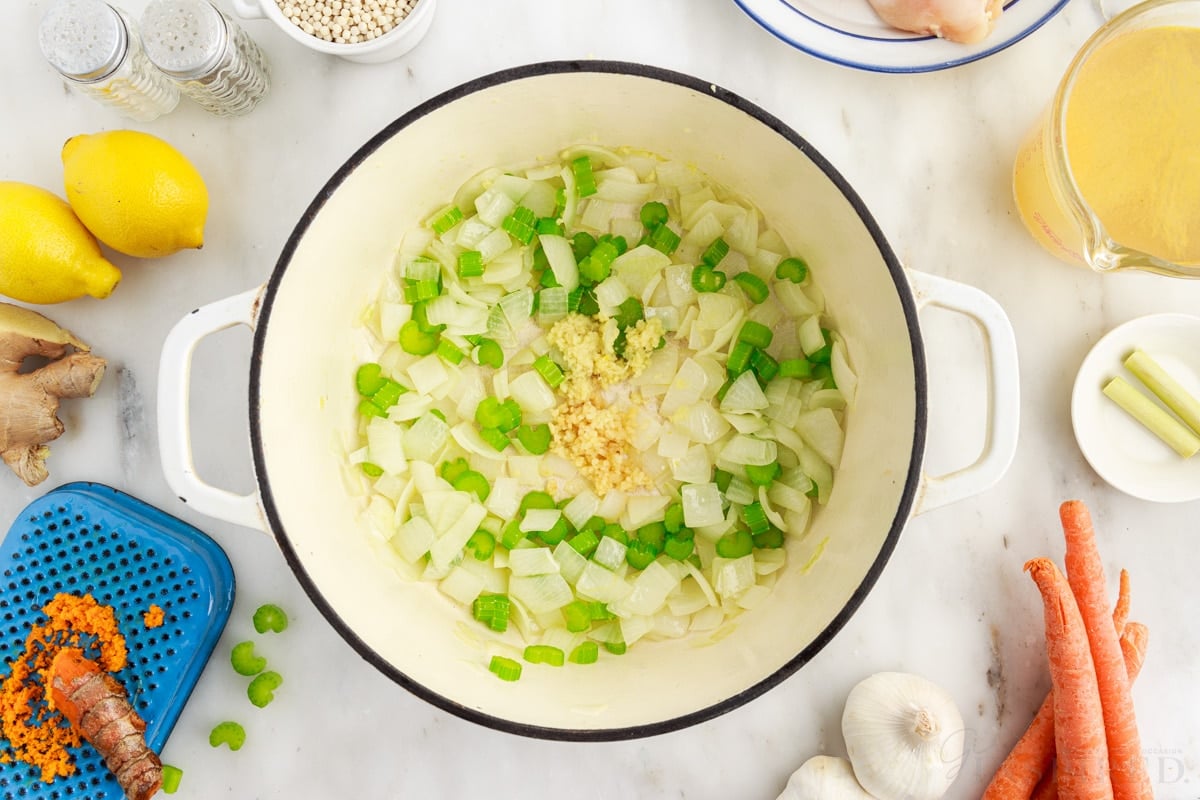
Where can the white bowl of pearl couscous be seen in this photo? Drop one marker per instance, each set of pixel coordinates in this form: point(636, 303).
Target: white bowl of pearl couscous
point(367, 31)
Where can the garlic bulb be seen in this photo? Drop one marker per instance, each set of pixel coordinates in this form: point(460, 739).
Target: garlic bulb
point(904, 736)
point(824, 778)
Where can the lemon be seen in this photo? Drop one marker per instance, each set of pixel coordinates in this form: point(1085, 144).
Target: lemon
point(136, 193)
point(46, 254)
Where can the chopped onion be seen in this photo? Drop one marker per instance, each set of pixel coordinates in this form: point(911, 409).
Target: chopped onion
point(645, 429)
point(531, 392)
point(612, 505)
point(581, 508)
point(753, 596)
point(552, 305)
point(843, 375)
point(822, 432)
point(650, 590)
point(702, 231)
point(505, 498)
point(427, 436)
point(811, 337)
point(740, 491)
point(768, 561)
point(428, 373)
point(788, 497)
point(494, 205)
point(701, 504)
point(703, 423)
point(597, 214)
point(561, 259)
point(532, 561)
point(598, 583)
point(385, 445)
point(499, 328)
point(517, 307)
point(693, 467)
point(749, 450)
point(672, 443)
point(540, 519)
point(491, 247)
point(744, 394)
point(690, 381)
point(471, 231)
point(660, 369)
point(732, 576)
point(688, 600)
point(610, 553)
point(716, 309)
point(570, 563)
point(467, 436)
point(643, 508)
point(540, 593)
point(413, 539)
point(392, 317)
point(638, 266)
point(448, 547)
point(678, 278)
point(746, 423)
point(461, 585)
point(610, 293)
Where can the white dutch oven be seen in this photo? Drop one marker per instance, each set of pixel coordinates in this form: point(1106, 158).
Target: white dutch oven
point(300, 404)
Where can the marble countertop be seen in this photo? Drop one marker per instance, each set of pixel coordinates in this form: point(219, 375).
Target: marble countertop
point(930, 154)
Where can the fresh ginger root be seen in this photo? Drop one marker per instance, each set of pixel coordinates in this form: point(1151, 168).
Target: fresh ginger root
point(29, 402)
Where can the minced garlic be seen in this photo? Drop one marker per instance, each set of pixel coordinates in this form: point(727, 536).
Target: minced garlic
point(589, 362)
point(597, 440)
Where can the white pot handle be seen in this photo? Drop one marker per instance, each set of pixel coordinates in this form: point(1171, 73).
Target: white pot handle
point(174, 419)
point(249, 9)
point(1004, 395)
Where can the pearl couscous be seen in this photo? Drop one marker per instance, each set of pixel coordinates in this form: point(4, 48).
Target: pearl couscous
point(346, 21)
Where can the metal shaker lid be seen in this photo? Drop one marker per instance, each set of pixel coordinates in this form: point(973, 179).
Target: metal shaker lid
point(83, 39)
point(183, 38)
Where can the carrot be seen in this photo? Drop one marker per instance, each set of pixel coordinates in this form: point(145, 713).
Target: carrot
point(1032, 758)
point(1085, 574)
point(97, 707)
point(1048, 788)
point(1121, 609)
point(1079, 743)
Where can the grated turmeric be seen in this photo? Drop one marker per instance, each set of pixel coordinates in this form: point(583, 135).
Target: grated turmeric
point(34, 733)
point(153, 618)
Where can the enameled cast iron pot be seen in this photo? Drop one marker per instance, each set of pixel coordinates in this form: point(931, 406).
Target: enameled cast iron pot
point(306, 348)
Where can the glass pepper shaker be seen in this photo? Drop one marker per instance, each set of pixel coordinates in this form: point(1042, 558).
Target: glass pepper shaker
point(95, 47)
point(210, 58)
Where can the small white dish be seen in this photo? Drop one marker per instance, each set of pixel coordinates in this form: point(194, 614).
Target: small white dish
point(849, 32)
point(393, 44)
point(1120, 449)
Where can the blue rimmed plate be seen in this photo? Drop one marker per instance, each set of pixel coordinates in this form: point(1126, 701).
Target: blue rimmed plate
point(848, 32)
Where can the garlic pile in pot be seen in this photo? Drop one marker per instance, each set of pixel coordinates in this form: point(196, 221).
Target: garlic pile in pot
point(824, 778)
point(904, 736)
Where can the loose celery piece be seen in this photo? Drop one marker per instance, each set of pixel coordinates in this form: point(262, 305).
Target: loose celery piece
point(1159, 422)
point(1157, 380)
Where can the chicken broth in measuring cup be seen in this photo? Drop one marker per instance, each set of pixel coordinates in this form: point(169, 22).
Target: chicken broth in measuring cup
point(1111, 176)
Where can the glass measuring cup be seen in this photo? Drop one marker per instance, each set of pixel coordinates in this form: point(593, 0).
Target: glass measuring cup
point(1109, 177)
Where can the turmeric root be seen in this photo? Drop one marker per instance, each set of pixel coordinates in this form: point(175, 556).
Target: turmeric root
point(97, 706)
point(29, 401)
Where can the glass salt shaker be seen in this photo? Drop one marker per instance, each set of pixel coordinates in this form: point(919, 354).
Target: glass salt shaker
point(210, 58)
point(96, 48)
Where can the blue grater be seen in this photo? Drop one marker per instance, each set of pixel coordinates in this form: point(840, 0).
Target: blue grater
point(89, 538)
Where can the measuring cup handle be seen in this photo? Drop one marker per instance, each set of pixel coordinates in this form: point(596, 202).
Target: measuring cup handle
point(174, 418)
point(1003, 391)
